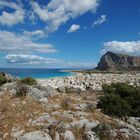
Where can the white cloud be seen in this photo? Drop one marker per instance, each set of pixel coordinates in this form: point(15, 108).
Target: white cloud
point(129, 47)
point(29, 59)
point(57, 12)
point(74, 28)
point(34, 33)
point(100, 20)
point(13, 43)
point(32, 17)
point(26, 59)
point(13, 18)
point(81, 65)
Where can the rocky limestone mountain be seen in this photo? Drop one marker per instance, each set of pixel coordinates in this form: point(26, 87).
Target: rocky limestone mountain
point(116, 62)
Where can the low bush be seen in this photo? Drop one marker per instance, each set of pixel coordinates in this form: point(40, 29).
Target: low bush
point(120, 100)
point(113, 105)
point(3, 79)
point(28, 81)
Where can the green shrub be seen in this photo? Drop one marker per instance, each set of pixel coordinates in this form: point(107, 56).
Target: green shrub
point(107, 89)
point(28, 81)
point(3, 80)
point(113, 105)
point(120, 99)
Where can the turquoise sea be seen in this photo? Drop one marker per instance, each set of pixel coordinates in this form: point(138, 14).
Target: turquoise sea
point(36, 73)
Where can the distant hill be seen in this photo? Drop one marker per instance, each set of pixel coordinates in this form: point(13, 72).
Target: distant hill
point(117, 62)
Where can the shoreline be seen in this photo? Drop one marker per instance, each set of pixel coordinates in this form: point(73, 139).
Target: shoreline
point(94, 81)
point(71, 74)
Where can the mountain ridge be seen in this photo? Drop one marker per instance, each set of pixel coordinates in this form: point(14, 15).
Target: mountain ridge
point(117, 62)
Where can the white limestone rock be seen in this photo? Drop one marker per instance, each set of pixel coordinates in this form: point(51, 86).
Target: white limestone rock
point(10, 88)
point(16, 132)
point(84, 122)
point(68, 135)
point(90, 135)
point(35, 135)
point(44, 100)
point(57, 136)
point(40, 120)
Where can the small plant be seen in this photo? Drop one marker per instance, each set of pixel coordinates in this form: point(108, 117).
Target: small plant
point(28, 81)
point(65, 103)
point(80, 132)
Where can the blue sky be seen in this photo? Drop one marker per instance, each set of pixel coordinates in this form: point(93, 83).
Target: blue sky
point(66, 33)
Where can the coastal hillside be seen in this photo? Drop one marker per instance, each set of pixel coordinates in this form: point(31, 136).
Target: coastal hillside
point(116, 62)
point(84, 106)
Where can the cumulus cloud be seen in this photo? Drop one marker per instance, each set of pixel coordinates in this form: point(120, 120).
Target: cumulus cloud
point(128, 47)
point(12, 42)
point(10, 19)
point(57, 12)
point(29, 59)
point(74, 28)
point(100, 20)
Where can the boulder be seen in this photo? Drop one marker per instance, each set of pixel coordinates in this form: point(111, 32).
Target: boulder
point(40, 120)
point(87, 106)
point(15, 89)
point(57, 136)
point(62, 89)
point(128, 133)
point(78, 88)
point(90, 135)
point(10, 88)
point(68, 135)
point(44, 100)
point(16, 132)
point(134, 121)
point(40, 92)
point(35, 135)
point(36, 93)
point(49, 90)
point(89, 125)
point(75, 89)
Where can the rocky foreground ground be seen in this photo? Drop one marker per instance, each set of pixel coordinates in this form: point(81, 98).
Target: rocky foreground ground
point(63, 109)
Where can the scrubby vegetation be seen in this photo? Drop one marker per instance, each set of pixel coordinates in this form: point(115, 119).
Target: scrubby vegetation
point(120, 100)
point(22, 90)
point(103, 132)
point(3, 79)
point(28, 81)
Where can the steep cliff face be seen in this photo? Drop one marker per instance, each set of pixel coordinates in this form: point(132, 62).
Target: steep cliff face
point(112, 61)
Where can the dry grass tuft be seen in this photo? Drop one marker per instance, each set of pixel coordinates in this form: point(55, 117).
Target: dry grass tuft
point(79, 132)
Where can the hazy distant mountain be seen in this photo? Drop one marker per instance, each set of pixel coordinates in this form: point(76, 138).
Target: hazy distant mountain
point(113, 62)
